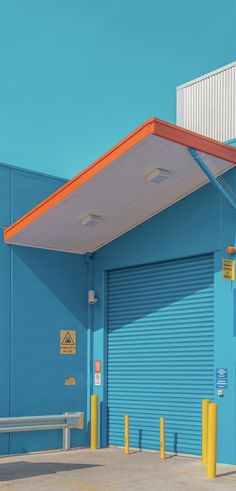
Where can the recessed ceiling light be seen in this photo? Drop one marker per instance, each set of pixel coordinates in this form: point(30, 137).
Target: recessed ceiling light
point(90, 220)
point(158, 175)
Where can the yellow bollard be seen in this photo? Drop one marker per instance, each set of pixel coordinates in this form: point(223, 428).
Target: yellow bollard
point(94, 423)
point(126, 435)
point(211, 441)
point(205, 405)
point(162, 438)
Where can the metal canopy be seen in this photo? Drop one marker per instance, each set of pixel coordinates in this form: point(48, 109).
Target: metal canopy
point(118, 192)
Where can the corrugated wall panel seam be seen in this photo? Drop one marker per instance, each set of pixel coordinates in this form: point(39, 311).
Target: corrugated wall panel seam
point(160, 351)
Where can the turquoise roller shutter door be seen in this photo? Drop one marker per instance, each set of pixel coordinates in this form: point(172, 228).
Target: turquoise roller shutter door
point(161, 352)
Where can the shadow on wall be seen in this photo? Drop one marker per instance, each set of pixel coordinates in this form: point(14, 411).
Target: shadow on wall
point(139, 292)
point(21, 470)
point(175, 443)
point(140, 439)
point(63, 274)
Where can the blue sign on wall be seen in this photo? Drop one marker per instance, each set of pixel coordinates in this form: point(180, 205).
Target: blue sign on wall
point(222, 378)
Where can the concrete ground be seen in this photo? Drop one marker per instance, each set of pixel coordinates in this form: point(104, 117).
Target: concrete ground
point(109, 470)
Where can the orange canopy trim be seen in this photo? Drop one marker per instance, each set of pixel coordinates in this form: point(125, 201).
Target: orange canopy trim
point(154, 127)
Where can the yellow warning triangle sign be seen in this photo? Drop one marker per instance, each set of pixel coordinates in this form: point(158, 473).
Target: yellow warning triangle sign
point(68, 340)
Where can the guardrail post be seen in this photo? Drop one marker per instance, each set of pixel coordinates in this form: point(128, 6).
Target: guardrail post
point(126, 434)
point(66, 437)
point(162, 438)
point(94, 423)
point(212, 440)
point(205, 406)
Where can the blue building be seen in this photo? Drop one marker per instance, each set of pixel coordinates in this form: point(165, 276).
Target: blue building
point(144, 231)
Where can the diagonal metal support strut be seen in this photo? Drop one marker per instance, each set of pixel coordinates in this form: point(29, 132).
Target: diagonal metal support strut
point(210, 176)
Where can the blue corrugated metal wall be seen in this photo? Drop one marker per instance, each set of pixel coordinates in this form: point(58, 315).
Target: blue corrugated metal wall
point(161, 352)
point(41, 292)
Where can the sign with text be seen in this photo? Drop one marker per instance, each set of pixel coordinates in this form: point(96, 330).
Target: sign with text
point(222, 378)
point(67, 342)
point(228, 269)
point(70, 381)
point(98, 379)
point(98, 366)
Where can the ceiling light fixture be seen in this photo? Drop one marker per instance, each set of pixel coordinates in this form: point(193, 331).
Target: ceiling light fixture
point(90, 220)
point(158, 175)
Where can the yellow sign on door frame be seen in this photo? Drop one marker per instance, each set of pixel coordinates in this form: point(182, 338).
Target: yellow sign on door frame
point(67, 342)
point(228, 269)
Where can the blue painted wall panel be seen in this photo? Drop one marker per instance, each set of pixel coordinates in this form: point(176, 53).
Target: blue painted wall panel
point(48, 296)
point(225, 357)
point(28, 189)
point(41, 293)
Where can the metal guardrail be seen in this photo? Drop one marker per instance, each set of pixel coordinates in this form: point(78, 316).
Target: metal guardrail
point(64, 422)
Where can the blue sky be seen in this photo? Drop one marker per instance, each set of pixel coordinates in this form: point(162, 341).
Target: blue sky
point(79, 75)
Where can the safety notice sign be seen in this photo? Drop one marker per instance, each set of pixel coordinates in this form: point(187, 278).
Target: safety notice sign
point(68, 342)
point(228, 269)
point(222, 378)
point(98, 366)
point(98, 379)
point(70, 381)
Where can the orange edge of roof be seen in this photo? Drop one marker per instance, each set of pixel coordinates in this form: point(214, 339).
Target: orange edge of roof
point(153, 126)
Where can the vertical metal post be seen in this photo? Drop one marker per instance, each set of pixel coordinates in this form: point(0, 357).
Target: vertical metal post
point(205, 406)
point(162, 438)
point(126, 434)
point(66, 436)
point(212, 439)
point(94, 423)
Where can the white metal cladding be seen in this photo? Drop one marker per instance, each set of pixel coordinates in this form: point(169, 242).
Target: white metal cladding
point(160, 352)
point(207, 105)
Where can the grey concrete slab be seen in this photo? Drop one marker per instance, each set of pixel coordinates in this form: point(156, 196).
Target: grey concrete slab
point(109, 470)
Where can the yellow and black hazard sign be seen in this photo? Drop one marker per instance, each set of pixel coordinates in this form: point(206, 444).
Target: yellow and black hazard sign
point(67, 342)
point(228, 269)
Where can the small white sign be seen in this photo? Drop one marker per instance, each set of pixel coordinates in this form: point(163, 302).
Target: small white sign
point(98, 379)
